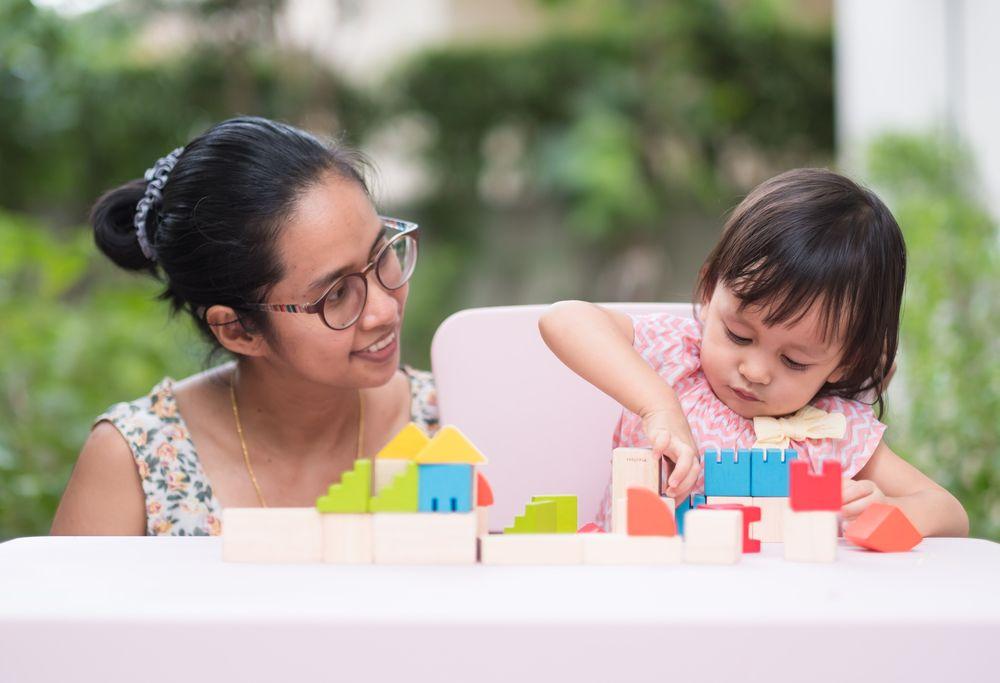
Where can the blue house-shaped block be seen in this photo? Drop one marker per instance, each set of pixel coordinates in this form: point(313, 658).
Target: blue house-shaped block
point(445, 488)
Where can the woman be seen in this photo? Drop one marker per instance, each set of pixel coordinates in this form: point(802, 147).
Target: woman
point(250, 223)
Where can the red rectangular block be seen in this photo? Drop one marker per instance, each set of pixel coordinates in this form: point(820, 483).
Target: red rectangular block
point(808, 491)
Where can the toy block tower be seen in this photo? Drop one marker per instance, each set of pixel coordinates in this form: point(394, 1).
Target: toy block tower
point(811, 519)
point(632, 467)
point(446, 468)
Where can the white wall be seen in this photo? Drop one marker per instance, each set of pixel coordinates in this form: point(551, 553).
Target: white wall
point(916, 65)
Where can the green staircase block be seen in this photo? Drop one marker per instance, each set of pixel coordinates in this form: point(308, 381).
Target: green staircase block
point(566, 506)
point(353, 492)
point(400, 495)
point(538, 518)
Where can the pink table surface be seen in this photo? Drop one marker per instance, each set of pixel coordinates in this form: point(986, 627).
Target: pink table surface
point(168, 609)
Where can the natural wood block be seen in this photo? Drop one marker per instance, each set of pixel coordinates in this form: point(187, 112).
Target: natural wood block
point(482, 521)
point(810, 536)
point(713, 536)
point(424, 537)
point(532, 548)
point(770, 528)
point(347, 539)
point(623, 549)
point(272, 535)
point(619, 516)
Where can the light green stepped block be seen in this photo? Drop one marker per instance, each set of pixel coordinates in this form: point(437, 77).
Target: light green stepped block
point(566, 507)
point(400, 495)
point(353, 492)
point(538, 518)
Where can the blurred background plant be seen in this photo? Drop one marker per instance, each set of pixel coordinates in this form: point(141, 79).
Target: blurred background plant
point(566, 148)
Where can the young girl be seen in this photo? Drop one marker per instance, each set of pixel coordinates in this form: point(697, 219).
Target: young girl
point(796, 325)
point(268, 238)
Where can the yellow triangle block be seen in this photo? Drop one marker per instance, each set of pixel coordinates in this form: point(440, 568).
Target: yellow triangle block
point(450, 446)
point(405, 445)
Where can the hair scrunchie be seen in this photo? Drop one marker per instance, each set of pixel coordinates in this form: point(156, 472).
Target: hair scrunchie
point(156, 178)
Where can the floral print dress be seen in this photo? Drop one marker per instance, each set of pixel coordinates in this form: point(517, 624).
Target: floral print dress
point(179, 498)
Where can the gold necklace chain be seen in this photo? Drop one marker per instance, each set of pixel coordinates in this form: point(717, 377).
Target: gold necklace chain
point(243, 443)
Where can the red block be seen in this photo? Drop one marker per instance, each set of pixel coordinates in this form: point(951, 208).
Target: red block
point(648, 515)
point(590, 528)
point(883, 528)
point(751, 513)
point(484, 493)
point(808, 491)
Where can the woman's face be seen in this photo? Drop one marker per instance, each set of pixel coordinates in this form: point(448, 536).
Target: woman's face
point(759, 370)
point(334, 231)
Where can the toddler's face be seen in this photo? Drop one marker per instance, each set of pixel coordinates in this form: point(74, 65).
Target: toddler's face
point(759, 370)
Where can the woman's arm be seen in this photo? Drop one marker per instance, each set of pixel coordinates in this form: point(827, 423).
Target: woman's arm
point(104, 495)
point(887, 478)
point(596, 343)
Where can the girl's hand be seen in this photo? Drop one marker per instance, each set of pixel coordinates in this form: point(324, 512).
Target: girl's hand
point(680, 450)
point(857, 496)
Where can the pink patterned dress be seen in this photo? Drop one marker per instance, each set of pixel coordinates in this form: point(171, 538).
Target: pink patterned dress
point(672, 346)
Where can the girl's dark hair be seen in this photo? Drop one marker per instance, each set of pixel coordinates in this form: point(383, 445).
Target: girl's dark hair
point(214, 232)
point(810, 235)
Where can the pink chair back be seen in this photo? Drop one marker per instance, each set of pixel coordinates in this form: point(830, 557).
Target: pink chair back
point(542, 428)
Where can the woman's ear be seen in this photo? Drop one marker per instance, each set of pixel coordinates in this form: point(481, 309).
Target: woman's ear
point(232, 333)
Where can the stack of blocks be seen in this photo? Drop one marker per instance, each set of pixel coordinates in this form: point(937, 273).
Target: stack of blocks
point(423, 504)
point(811, 518)
point(751, 477)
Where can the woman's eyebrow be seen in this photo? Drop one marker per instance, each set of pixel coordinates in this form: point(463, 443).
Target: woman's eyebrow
point(333, 275)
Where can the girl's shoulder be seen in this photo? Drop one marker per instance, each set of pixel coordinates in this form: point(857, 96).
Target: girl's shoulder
point(671, 344)
point(863, 432)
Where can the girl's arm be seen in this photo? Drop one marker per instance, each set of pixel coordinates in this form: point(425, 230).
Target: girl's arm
point(104, 495)
point(596, 343)
point(887, 478)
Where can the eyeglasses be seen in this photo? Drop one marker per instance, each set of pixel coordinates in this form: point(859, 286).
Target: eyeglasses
point(343, 303)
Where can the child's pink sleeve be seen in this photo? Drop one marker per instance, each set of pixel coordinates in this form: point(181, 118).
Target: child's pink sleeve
point(861, 438)
point(670, 344)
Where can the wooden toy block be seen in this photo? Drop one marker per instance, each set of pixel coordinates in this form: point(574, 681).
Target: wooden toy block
point(450, 446)
point(347, 539)
point(648, 515)
point(728, 500)
point(405, 445)
point(619, 516)
point(810, 536)
point(622, 549)
point(727, 472)
point(769, 472)
point(445, 488)
point(532, 548)
point(538, 518)
point(808, 491)
point(351, 495)
point(402, 494)
point(883, 528)
point(770, 528)
point(713, 536)
point(751, 515)
point(385, 472)
point(420, 538)
point(482, 521)
point(631, 467)
point(566, 511)
point(272, 535)
point(484, 492)
point(689, 503)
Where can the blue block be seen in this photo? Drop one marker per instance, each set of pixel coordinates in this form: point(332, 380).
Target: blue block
point(689, 503)
point(445, 488)
point(727, 473)
point(769, 472)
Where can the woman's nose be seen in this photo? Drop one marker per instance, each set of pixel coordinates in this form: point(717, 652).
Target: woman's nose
point(381, 309)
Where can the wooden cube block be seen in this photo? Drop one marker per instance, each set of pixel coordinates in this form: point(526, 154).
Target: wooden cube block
point(770, 528)
point(810, 536)
point(272, 535)
point(482, 521)
point(424, 537)
point(619, 516)
point(347, 539)
point(532, 548)
point(624, 549)
point(386, 471)
point(713, 536)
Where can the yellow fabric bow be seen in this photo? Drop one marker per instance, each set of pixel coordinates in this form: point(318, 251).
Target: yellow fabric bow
point(808, 423)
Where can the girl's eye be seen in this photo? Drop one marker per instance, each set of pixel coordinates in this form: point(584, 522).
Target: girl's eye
point(792, 364)
point(742, 341)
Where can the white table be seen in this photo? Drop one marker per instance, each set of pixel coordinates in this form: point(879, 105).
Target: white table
point(168, 609)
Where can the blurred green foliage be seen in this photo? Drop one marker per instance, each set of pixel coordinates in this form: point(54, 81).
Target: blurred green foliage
point(946, 414)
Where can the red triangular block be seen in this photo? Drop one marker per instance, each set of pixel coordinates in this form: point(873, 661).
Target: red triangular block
point(883, 528)
point(484, 494)
point(648, 515)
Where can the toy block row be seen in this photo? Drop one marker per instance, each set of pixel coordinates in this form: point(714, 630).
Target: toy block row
point(300, 535)
point(747, 472)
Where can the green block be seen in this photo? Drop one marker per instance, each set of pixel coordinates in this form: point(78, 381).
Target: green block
point(353, 492)
point(566, 506)
point(400, 495)
point(538, 518)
